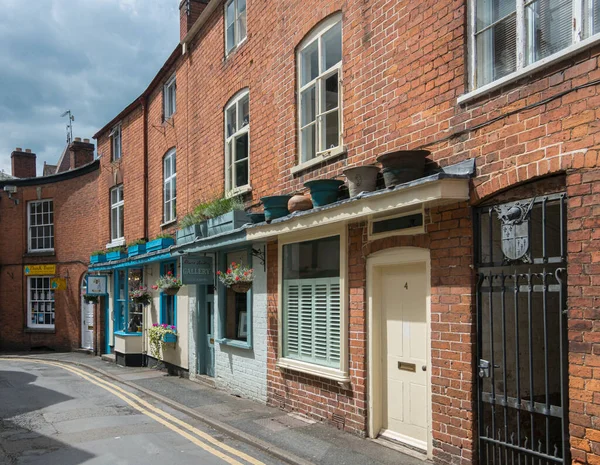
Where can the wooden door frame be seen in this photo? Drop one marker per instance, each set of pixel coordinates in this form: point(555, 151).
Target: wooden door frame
point(391, 257)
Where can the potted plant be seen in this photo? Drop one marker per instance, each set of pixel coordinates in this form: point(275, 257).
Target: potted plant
point(116, 253)
point(239, 278)
point(192, 226)
point(324, 191)
point(160, 335)
point(168, 283)
point(136, 247)
point(276, 206)
point(141, 296)
point(99, 256)
point(91, 299)
point(162, 241)
point(402, 166)
point(361, 179)
point(225, 215)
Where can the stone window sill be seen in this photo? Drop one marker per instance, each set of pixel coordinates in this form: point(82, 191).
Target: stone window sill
point(40, 330)
point(334, 153)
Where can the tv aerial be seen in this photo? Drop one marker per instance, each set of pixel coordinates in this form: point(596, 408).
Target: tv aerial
point(69, 125)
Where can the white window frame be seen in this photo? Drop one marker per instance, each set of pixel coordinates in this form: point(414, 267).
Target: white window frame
point(316, 35)
point(116, 143)
point(31, 301)
point(578, 44)
point(230, 157)
point(115, 206)
point(340, 375)
point(237, 40)
point(170, 98)
point(170, 206)
point(30, 226)
point(398, 232)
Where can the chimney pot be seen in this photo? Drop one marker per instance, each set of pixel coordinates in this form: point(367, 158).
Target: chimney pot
point(78, 139)
point(87, 141)
point(27, 150)
point(18, 149)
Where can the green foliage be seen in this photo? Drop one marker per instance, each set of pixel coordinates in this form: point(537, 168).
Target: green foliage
point(98, 252)
point(155, 334)
point(163, 236)
point(136, 242)
point(116, 249)
point(219, 207)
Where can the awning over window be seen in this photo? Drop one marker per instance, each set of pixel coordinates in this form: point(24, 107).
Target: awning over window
point(137, 261)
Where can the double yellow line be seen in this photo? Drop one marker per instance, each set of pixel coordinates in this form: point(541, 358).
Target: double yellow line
point(173, 423)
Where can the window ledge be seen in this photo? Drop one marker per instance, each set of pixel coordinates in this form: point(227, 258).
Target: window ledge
point(531, 69)
point(116, 243)
point(46, 253)
point(316, 370)
point(231, 52)
point(41, 330)
point(326, 156)
point(239, 191)
point(169, 223)
point(125, 333)
point(234, 343)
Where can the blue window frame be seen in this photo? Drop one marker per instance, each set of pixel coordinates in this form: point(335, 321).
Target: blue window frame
point(128, 316)
point(120, 302)
point(235, 310)
point(168, 303)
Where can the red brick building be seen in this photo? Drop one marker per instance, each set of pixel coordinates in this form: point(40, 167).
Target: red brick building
point(47, 231)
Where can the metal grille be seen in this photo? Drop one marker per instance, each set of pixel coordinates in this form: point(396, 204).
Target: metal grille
point(521, 332)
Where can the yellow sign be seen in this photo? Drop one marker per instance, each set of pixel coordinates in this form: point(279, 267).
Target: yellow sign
point(40, 270)
point(58, 284)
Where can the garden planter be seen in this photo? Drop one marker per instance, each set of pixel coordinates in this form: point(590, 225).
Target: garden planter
point(171, 290)
point(257, 217)
point(116, 255)
point(228, 222)
point(134, 250)
point(276, 206)
point(402, 166)
point(159, 244)
point(324, 191)
point(191, 233)
point(299, 202)
point(98, 258)
point(169, 338)
point(241, 288)
point(361, 179)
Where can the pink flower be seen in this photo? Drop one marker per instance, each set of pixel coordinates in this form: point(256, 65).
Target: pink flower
point(155, 287)
point(245, 273)
point(155, 325)
point(218, 273)
point(169, 273)
point(228, 270)
point(232, 264)
point(237, 278)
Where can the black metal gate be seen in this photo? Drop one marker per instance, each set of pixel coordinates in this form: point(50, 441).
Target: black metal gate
point(521, 332)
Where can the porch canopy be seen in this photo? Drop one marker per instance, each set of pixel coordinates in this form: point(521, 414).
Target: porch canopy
point(128, 262)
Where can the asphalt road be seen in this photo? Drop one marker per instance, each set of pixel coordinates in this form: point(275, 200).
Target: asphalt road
point(52, 414)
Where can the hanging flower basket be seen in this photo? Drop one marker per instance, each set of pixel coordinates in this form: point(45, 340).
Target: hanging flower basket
point(141, 296)
point(171, 290)
point(241, 288)
point(91, 299)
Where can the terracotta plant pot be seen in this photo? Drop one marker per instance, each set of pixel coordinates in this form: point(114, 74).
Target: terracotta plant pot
point(361, 179)
point(171, 290)
point(241, 288)
point(402, 166)
point(299, 202)
point(324, 191)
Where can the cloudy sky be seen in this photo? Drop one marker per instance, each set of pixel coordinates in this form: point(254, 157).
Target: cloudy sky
point(90, 56)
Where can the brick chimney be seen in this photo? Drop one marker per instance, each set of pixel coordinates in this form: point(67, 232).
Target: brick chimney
point(189, 12)
point(23, 163)
point(80, 153)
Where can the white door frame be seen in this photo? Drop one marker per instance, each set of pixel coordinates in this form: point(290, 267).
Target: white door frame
point(390, 257)
point(83, 305)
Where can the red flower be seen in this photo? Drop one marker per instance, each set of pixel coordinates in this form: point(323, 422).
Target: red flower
point(237, 278)
point(228, 270)
point(155, 287)
point(218, 273)
point(232, 263)
point(245, 273)
point(169, 273)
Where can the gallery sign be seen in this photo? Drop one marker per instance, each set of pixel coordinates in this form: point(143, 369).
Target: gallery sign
point(39, 270)
point(97, 285)
point(197, 270)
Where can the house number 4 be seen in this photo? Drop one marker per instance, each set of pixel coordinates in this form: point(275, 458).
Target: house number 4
point(406, 285)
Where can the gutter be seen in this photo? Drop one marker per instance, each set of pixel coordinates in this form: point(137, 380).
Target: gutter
point(202, 19)
point(85, 169)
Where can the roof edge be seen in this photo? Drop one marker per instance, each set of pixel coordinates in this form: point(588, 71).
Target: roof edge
point(82, 170)
point(209, 10)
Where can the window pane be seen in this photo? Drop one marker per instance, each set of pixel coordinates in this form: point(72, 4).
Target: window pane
point(309, 63)
point(241, 173)
point(307, 106)
point(242, 23)
point(308, 142)
point(548, 28)
point(490, 11)
point(591, 18)
point(230, 37)
point(241, 147)
point(113, 196)
point(121, 226)
point(167, 167)
point(331, 132)
point(230, 120)
point(312, 259)
point(496, 51)
point(332, 46)
point(167, 192)
point(230, 14)
point(113, 223)
point(330, 93)
point(244, 111)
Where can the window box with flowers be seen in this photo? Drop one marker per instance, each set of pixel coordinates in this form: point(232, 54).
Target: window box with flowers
point(160, 335)
point(160, 242)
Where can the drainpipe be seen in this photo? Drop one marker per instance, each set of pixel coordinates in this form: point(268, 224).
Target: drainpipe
point(144, 102)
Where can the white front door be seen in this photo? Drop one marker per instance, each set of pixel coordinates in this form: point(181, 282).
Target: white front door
point(404, 352)
point(87, 322)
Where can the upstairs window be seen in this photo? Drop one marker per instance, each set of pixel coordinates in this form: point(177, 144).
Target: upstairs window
point(115, 142)
point(169, 98)
point(510, 35)
point(170, 187)
point(319, 82)
point(235, 24)
point(41, 226)
point(237, 142)
point(116, 214)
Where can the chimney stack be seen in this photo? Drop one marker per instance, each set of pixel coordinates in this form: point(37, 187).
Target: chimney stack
point(189, 12)
point(23, 163)
point(80, 153)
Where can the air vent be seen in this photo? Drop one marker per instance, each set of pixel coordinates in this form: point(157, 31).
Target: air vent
point(398, 223)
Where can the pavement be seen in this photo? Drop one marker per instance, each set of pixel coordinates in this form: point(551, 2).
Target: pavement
point(284, 437)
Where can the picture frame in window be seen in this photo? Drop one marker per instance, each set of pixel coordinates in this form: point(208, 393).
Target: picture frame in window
point(242, 324)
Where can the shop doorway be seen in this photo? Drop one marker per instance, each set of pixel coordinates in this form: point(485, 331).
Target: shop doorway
point(87, 319)
point(206, 330)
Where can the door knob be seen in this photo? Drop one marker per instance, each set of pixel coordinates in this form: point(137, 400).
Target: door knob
point(424, 368)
